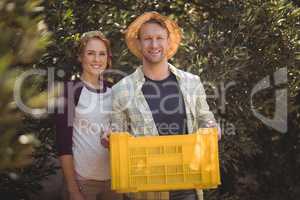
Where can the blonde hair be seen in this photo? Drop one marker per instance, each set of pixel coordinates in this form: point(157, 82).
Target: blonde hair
point(87, 36)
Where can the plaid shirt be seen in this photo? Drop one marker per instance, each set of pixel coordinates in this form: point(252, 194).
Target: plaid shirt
point(131, 113)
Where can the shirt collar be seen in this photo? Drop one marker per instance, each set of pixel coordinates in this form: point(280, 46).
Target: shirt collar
point(140, 77)
point(92, 89)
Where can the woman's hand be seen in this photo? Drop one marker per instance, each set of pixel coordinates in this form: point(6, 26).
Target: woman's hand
point(68, 169)
point(76, 196)
point(105, 138)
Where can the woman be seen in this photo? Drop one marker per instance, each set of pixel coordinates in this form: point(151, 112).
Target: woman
point(80, 122)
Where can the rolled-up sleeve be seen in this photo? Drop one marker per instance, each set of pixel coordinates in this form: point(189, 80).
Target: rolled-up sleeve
point(203, 113)
point(119, 117)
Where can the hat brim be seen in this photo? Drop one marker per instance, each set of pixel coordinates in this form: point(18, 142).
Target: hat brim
point(131, 36)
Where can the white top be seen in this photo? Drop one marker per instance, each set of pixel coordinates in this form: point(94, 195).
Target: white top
point(92, 117)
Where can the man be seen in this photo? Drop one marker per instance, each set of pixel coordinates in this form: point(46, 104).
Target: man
point(158, 98)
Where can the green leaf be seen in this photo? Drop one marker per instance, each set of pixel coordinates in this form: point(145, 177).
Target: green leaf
point(297, 55)
point(5, 62)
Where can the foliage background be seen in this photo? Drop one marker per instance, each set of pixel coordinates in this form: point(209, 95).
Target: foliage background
point(236, 42)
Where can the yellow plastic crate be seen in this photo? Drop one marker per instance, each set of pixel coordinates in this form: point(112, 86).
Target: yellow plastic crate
point(157, 163)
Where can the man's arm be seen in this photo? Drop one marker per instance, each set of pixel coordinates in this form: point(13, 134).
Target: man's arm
point(204, 116)
point(203, 113)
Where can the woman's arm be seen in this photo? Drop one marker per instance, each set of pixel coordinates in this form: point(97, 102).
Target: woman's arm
point(69, 176)
point(64, 131)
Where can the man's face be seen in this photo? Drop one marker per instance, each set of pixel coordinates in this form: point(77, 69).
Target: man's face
point(153, 43)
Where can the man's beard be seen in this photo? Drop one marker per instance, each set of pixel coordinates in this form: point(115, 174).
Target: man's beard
point(154, 61)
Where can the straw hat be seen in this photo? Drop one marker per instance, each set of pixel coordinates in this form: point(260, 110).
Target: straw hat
point(131, 36)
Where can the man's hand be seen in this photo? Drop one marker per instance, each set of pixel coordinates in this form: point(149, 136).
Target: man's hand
point(213, 124)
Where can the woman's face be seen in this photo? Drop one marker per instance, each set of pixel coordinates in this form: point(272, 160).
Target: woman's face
point(94, 58)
